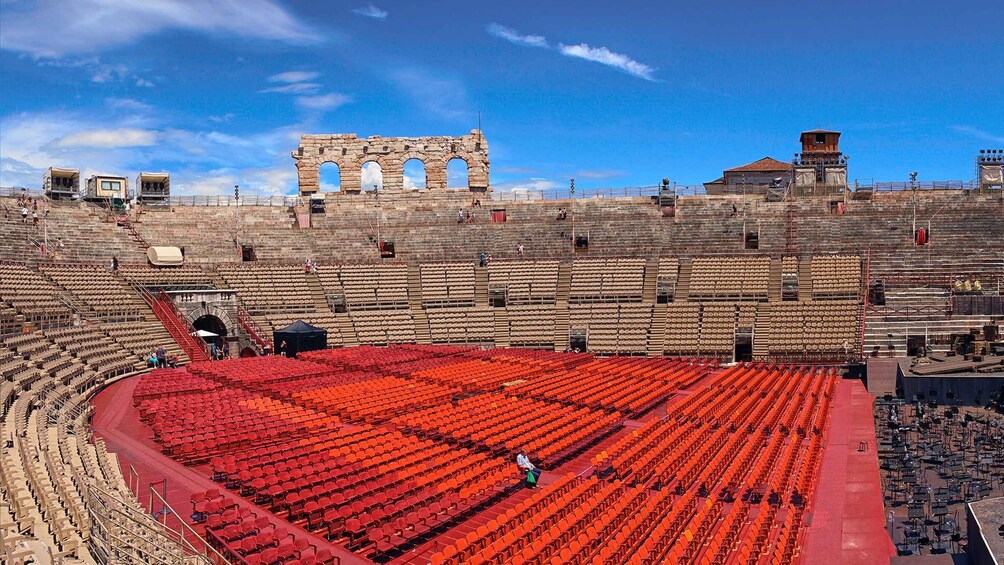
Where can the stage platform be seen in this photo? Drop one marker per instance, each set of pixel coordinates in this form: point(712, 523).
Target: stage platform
point(847, 517)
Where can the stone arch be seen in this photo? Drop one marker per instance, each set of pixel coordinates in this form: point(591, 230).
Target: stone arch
point(451, 171)
point(325, 180)
point(350, 153)
point(367, 175)
point(418, 179)
point(212, 324)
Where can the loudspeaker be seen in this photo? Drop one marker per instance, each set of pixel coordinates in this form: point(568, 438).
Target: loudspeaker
point(991, 332)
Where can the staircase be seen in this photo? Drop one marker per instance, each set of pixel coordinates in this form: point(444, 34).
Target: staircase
point(805, 280)
point(126, 222)
point(791, 228)
point(774, 283)
point(250, 326)
point(657, 331)
point(423, 335)
point(682, 291)
point(561, 325)
point(317, 292)
point(761, 331)
point(480, 287)
point(648, 288)
point(501, 327)
point(176, 325)
point(347, 330)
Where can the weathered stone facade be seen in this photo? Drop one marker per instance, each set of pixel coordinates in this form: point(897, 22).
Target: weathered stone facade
point(350, 153)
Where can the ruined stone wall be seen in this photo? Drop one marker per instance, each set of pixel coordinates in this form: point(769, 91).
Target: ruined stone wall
point(350, 153)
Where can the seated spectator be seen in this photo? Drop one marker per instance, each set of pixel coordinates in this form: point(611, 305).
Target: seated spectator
point(977, 286)
point(151, 360)
point(172, 362)
point(524, 464)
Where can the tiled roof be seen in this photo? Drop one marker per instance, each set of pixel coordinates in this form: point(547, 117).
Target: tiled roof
point(767, 164)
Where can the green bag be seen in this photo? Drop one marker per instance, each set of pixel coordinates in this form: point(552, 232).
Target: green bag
point(531, 478)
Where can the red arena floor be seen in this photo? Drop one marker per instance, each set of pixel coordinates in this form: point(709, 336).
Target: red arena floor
point(407, 455)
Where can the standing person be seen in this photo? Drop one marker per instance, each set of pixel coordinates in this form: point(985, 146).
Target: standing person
point(115, 263)
point(161, 357)
point(226, 350)
point(24, 214)
point(34, 218)
point(482, 259)
point(214, 352)
point(460, 216)
point(531, 470)
point(520, 250)
point(282, 348)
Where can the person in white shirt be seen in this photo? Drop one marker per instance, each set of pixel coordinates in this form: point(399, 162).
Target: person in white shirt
point(524, 464)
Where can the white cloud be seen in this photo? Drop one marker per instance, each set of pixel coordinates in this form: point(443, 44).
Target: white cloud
point(108, 141)
point(370, 11)
point(295, 88)
point(144, 83)
point(109, 73)
point(604, 56)
point(107, 138)
point(224, 118)
point(294, 76)
point(445, 98)
point(328, 101)
point(127, 104)
point(533, 183)
point(54, 28)
point(513, 36)
point(979, 134)
point(372, 175)
point(598, 174)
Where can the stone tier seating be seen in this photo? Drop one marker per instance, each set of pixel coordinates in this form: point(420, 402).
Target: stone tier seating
point(461, 325)
point(168, 277)
point(815, 329)
point(707, 329)
point(384, 326)
point(104, 295)
point(86, 231)
point(31, 295)
point(447, 284)
point(368, 286)
point(730, 278)
point(836, 276)
point(607, 280)
point(51, 474)
point(613, 328)
point(525, 282)
point(269, 288)
point(531, 326)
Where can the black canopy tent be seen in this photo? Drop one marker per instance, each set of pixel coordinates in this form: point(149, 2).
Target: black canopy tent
point(299, 336)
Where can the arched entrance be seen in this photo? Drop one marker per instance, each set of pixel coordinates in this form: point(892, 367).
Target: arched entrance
point(211, 323)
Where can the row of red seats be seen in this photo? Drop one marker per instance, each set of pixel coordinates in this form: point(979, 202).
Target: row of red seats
point(242, 536)
point(368, 357)
point(194, 427)
point(551, 360)
point(476, 375)
point(661, 369)
point(160, 383)
point(497, 421)
point(375, 400)
point(247, 373)
point(598, 391)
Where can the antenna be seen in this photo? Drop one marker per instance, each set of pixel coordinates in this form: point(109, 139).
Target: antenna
point(479, 120)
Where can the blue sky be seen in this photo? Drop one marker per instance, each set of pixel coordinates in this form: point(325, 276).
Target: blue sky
point(612, 94)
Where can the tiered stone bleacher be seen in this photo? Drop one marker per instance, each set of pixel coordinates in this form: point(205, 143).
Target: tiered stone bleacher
point(730, 278)
point(461, 325)
point(447, 284)
point(604, 280)
point(525, 282)
point(32, 295)
point(836, 276)
point(613, 328)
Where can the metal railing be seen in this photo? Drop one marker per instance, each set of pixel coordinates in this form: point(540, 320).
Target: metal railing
point(220, 200)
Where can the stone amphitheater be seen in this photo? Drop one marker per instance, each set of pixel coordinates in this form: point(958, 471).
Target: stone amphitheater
point(708, 293)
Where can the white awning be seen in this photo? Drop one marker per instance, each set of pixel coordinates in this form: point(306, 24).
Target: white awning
point(204, 333)
point(165, 256)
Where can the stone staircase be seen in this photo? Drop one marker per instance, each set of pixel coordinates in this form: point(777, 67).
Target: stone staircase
point(804, 280)
point(657, 330)
point(918, 311)
point(651, 277)
point(561, 323)
point(683, 281)
point(347, 330)
point(774, 283)
point(501, 327)
point(423, 335)
point(480, 287)
point(317, 292)
point(761, 331)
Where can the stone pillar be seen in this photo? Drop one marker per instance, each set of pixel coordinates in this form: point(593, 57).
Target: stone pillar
point(352, 177)
point(435, 174)
point(309, 177)
point(393, 175)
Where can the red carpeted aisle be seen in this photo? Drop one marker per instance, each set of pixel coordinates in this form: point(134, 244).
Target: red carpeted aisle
point(847, 515)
